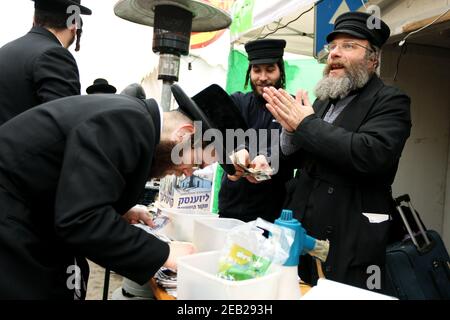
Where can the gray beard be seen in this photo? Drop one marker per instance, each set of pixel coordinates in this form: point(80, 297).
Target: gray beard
point(355, 77)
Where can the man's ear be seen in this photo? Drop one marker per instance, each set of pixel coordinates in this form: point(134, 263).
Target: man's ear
point(372, 63)
point(182, 132)
point(73, 31)
point(73, 28)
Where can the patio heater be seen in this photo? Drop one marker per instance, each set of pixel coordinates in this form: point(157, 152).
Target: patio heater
point(172, 22)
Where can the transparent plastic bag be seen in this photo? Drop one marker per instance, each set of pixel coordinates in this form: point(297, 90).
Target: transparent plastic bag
point(248, 254)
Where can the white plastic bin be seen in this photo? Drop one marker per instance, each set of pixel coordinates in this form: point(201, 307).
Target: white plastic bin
point(181, 225)
point(197, 280)
point(211, 234)
point(332, 290)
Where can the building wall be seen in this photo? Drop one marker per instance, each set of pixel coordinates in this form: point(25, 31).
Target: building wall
point(424, 167)
point(398, 13)
point(446, 222)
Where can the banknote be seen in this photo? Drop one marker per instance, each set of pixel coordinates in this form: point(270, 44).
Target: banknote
point(258, 174)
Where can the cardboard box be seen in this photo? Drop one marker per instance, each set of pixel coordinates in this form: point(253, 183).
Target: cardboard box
point(194, 193)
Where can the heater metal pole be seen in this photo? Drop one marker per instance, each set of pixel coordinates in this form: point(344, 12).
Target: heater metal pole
point(166, 95)
point(172, 22)
point(168, 69)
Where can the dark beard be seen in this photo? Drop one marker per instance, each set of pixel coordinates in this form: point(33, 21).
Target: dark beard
point(162, 161)
point(277, 86)
point(356, 76)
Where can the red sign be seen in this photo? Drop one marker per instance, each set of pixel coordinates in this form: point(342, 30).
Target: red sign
point(203, 39)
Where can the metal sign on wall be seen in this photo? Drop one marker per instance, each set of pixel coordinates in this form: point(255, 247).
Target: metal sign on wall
point(325, 15)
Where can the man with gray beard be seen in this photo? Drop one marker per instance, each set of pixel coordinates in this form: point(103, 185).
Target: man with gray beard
point(347, 146)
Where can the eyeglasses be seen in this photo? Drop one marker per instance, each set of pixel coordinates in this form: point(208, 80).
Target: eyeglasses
point(344, 46)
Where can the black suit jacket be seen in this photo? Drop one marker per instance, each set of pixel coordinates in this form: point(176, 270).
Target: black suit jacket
point(68, 170)
point(35, 69)
point(244, 200)
point(346, 169)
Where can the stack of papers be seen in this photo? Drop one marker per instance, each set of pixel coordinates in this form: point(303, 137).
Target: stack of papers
point(167, 279)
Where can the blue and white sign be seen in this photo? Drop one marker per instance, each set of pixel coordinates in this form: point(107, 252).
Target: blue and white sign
point(326, 13)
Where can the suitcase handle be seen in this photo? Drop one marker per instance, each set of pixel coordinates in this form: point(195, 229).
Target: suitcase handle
point(407, 199)
point(402, 198)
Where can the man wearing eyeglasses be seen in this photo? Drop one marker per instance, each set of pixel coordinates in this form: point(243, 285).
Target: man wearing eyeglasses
point(348, 145)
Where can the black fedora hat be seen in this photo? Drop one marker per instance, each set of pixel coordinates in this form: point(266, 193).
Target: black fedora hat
point(100, 86)
point(60, 6)
point(216, 110)
point(357, 24)
point(265, 51)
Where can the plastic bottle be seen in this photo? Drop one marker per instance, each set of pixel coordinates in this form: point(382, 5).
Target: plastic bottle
point(289, 286)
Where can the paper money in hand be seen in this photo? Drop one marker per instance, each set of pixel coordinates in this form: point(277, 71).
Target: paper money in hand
point(258, 174)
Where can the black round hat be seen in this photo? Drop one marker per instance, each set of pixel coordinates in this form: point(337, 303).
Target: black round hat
point(60, 6)
point(216, 110)
point(359, 24)
point(265, 50)
point(100, 86)
point(134, 90)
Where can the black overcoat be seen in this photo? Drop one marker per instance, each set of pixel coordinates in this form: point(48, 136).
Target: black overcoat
point(68, 169)
point(346, 169)
point(35, 69)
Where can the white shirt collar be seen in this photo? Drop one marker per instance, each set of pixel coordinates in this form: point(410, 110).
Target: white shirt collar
point(161, 118)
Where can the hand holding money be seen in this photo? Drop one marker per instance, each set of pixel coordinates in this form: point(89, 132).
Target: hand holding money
point(255, 171)
point(260, 168)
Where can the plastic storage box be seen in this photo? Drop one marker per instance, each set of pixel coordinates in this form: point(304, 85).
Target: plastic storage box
point(211, 234)
point(181, 225)
point(197, 280)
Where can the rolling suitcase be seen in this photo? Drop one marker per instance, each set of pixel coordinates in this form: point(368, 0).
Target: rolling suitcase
point(418, 267)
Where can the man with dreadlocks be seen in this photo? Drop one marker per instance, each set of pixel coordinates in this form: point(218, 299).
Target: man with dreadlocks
point(245, 199)
point(37, 67)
